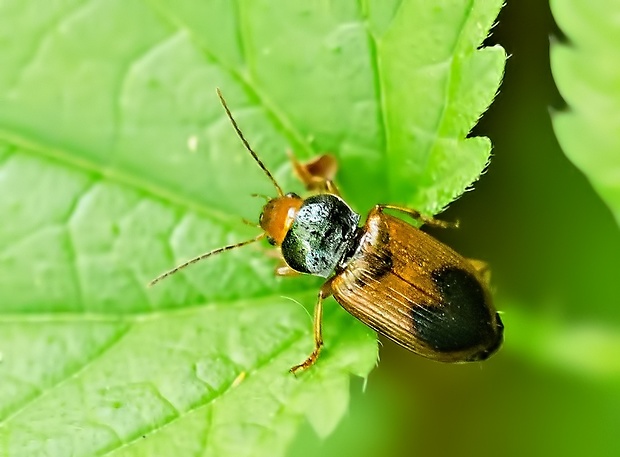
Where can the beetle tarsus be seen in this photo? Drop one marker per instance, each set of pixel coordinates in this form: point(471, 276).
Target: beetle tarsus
point(318, 329)
point(311, 360)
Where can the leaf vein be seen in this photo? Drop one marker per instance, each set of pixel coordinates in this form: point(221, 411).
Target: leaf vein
point(149, 315)
point(378, 87)
point(132, 67)
point(105, 348)
point(54, 24)
point(447, 93)
point(207, 401)
point(278, 117)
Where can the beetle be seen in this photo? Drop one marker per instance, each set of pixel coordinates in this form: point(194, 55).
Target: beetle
point(393, 277)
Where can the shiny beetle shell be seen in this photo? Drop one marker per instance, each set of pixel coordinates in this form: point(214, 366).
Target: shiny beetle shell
point(322, 234)
point(418, 292)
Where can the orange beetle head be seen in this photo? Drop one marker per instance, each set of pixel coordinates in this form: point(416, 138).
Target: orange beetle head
point(278, 216)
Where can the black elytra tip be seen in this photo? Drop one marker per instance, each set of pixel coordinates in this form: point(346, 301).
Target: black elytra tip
point(463, 321)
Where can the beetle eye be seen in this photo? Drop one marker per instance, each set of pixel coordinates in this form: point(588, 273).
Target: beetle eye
point(271, 241)
point(292, 195)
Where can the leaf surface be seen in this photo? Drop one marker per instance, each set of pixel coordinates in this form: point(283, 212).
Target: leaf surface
point(117, 162)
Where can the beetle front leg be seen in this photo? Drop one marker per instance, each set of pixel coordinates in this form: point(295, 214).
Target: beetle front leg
point(325, 292)
point(284, 270)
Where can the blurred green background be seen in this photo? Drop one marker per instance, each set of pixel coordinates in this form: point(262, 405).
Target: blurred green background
point(552, 244)
point(554, 249)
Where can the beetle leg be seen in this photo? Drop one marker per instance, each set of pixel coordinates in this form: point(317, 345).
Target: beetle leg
point(482, 268)
point(414, 214)
point(317, 174)
point(331, 188)
point(318, 329)
point(284, 270)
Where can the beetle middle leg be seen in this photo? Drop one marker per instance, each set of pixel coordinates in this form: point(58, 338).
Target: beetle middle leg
point(317, 174)
point(325, 292)
point(282, 268)
point(415, 214)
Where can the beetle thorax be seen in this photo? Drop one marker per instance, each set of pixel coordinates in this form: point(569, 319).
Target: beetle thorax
point(278, 216)
point(323, 232)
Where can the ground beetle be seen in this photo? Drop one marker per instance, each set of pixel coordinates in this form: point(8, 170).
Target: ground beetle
point(390, 275)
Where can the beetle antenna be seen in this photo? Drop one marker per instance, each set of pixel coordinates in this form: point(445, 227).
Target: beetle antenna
point(204, 256)
point(246, 144)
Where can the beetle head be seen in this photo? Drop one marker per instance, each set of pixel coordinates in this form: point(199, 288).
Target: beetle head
point(278, 216)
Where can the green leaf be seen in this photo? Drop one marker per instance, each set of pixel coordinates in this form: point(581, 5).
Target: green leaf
point(587, 73)
point(117, 162)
